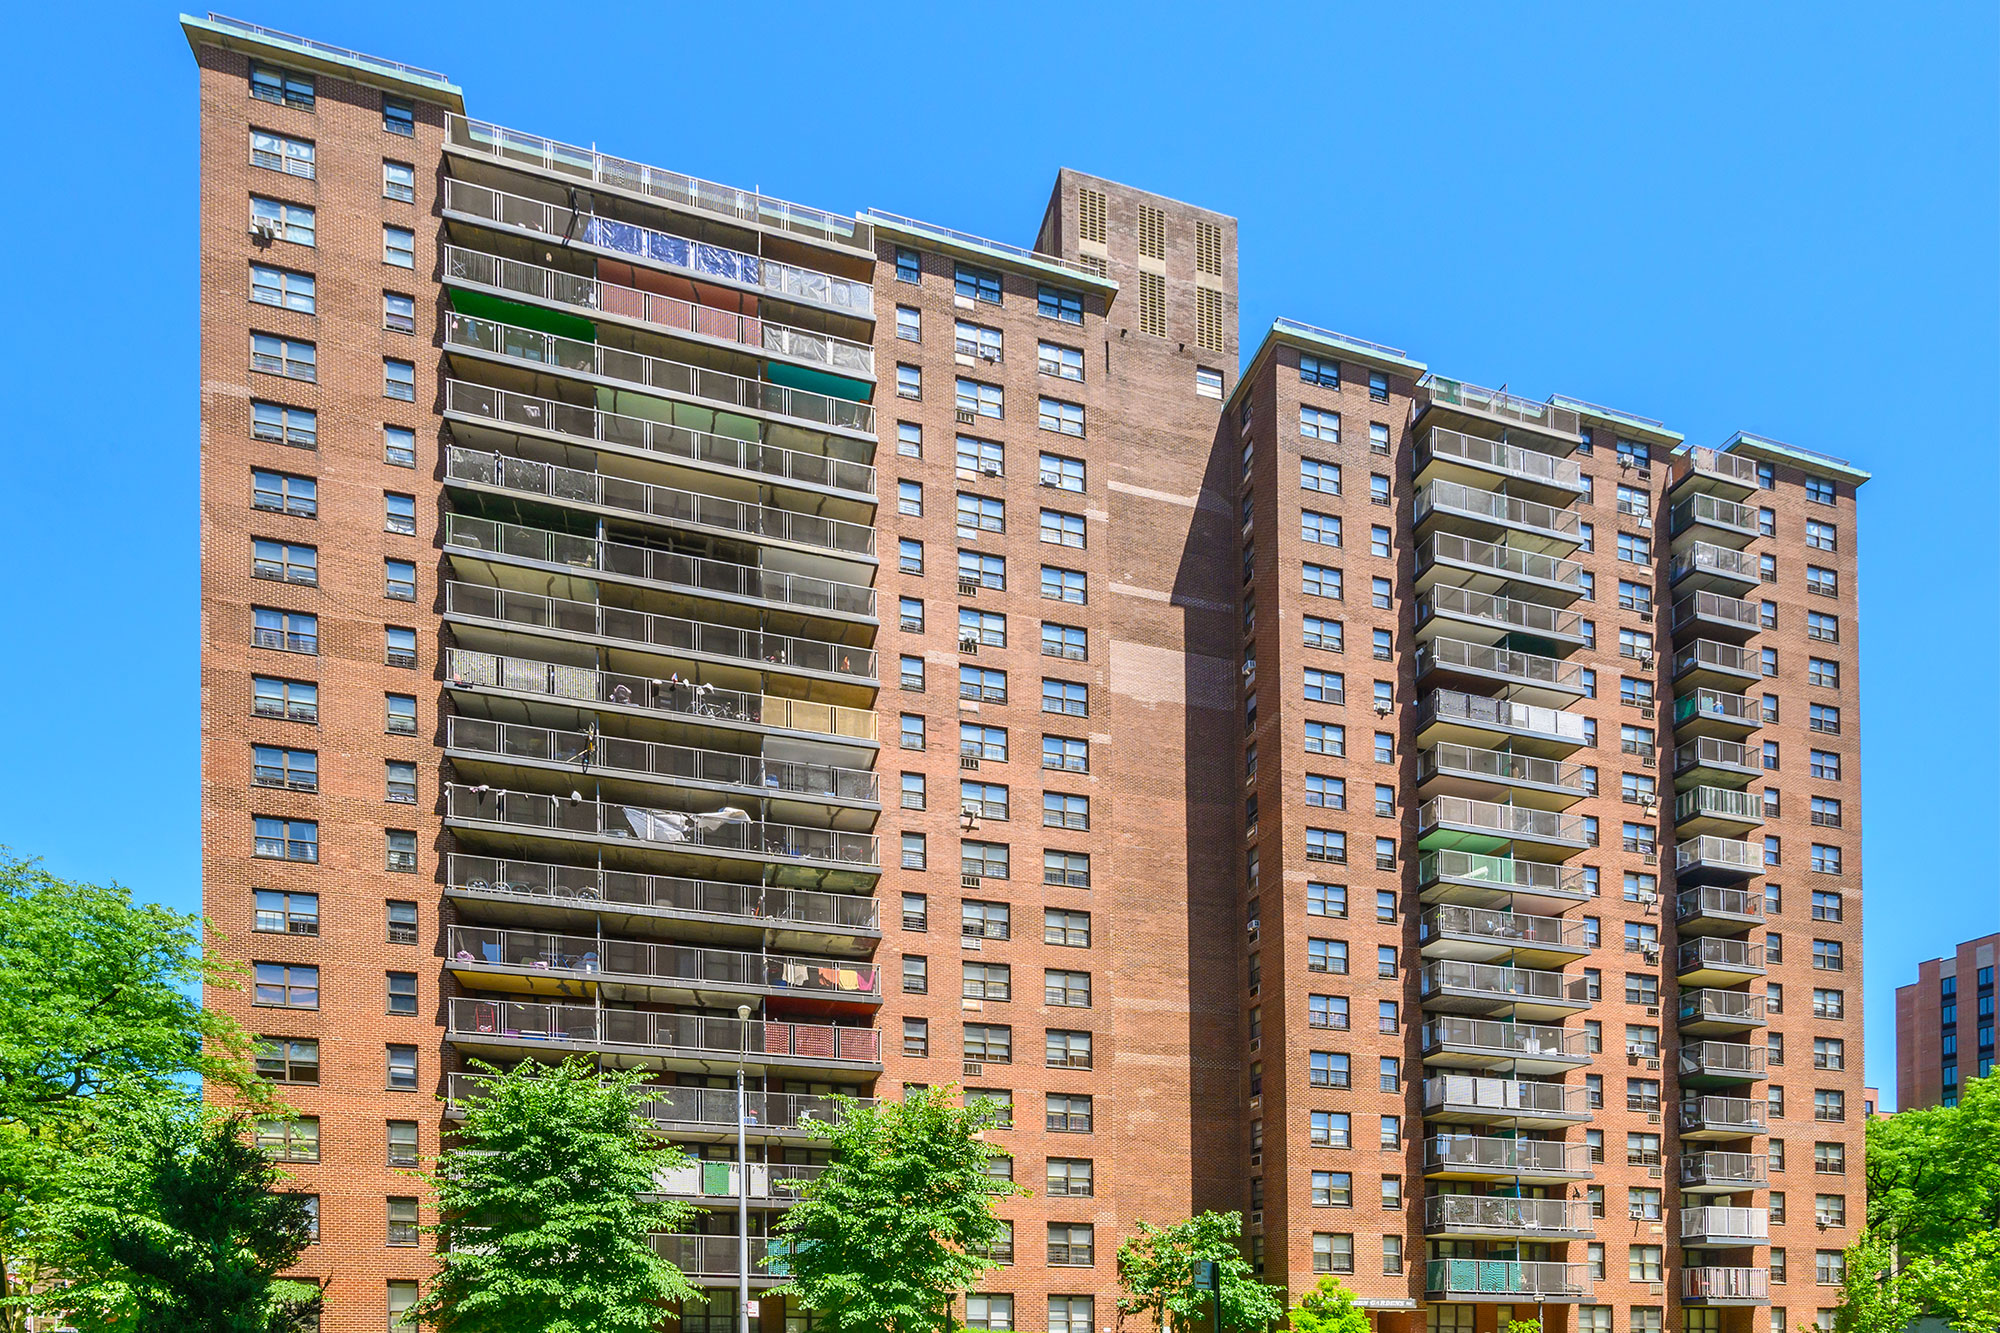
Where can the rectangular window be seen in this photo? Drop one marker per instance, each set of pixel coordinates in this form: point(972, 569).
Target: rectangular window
point(288, 1060)
point(1062, 362)
point(399, 116)
point(402, 1063)
point(399, 181)
point(1060, 529)
point(282, 221)
point(285, 985)
point(402, 851)
point(282, 287)
point(277, 152)
point(989, 1043)
point(289, 357)
point(979, 284)
point(1054, 303)
point(399, 247)
point(286, 839)
point(1317, 476)
point(399, 380)
point(400, 580)
point(294, 1140)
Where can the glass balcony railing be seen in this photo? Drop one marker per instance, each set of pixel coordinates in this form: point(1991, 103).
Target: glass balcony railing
point(585, 1026)
point(1522, 668)
point(1505, 1280)
point(1713, 609)
point(1728, 467)
point(1726, 1115)
point(1449, 497)
point(1465, 1094)
point(1505, 1214)
point(623, 756)
point(1463, 761)
point(1702, 558)
point(1502, 873)
point(1505, 821)
point(1719, 853)
point(1496, 456)
point(719, 1256)
point(769, 1184)
point(750, 457)
point(1498, 404)
point(1517, 930)
point(1476, 710)
point(639, 961)
point(1709, 752)
point(1467, 1153)
point(1491, 558)
point(1718, 1226)
point(1706, 654)
point(1714, 512)
point(763, 906)
point(1503, 613)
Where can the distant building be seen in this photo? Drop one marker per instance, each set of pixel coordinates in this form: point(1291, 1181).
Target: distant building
point(1928, 1029)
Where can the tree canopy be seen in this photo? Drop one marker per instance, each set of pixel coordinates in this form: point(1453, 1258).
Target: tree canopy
point(1329, 1308)
point(1156, 1270)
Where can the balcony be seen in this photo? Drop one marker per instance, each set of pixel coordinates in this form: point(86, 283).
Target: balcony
point(1708, 1063)
point(1514, 1048)
point(1711, 762)
point(1447, 559)
point(1713, 860)
point(710, 706)
point(770, 1184)
point(1448, 769)
point(571, 163)
point(1504, 1218)
point(1449, 399)
point(1704, 1011)
point(746, 585)
point(536, 893)
point(1455, 716)
point(1485, 617)
point(1452, 986)
point(1717, 810)
point(1467, 511)
point(1721, 1117)
point(1703, 662)
point(1717, 910)
point(632, 1038)
point(1718, 960)
point(1481, 934)
point(1503, 1102)
point(1457, 824)
point(1698, 470)
point(1723, 1172)
point(1477, 461)
point(1710, 518)
point(667, 314)
point(712, 1260)
point(765, 464)
point(525, 962)
point(824, 790)
point(1708, 712)
point(1513, 1281)
point(1715, 568)
point(1725, 1226)
point(690, 641)
point(708, 1113)
point(719, 837)
point(1527, 677)
point(1711, 615)
point(539, 353)
point(1725, 1286)
point(1469, 1157)
point(1494, 881)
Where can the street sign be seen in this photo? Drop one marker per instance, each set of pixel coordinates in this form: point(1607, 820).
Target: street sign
point(750, 1309)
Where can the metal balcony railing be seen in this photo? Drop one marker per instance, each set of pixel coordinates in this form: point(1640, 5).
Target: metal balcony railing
point(706, 1107)
point(1448, 548)
point(777, 1183)
point(638, 959)
point(1705, 605)
point(750, 457)
point(1522, 1280)
point(1718, 656)
point(1500, 1095)
point(1468, 1152)
point(1718, 803)
point(717, 1256)
point(1507, 821)
point(582, 1025)
point(1528, 464)
point(1714, 512)
point(663, 634)
point(1703, 558)
point(665, 312)
point(1501, 983)
point(1729, 853)
point(1712, 900)
point(1741, 1170)
point(1516, 929)
point(1731, 1114)
point(1450, 760)
point(667, 569)
point(1495, 403)
point(515, 148)
point(1526, 1040)
point(1720, 951)
point(1450, 497)
point(1527, 1217)
point(562, 815)
point(1445, 599)
point(1525, 668)
point(1479, 711)
point(1710, 752)
point(1708, 1005)
point(1722, 1058)
point(764, 905)
point(1503, 873)
point(1695, 458)
point(617, 754)
point(656, 374)
point(1714, 704)
point(1725, 1284)
point(1725, 1223)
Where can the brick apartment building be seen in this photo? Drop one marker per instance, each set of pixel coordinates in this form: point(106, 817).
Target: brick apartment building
point(1936, 1049)
point(583, 668)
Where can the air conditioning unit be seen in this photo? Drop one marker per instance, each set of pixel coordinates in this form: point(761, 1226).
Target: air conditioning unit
point(966, 416)
point(1646, 712)
point(974, 1069)
point(1652, 1117)
point(989, 470)
point(1648, 896)
point(968, 761)
point(1651, 858)
point(968, 942)
point(1652, 1011)
point(262, 230)
point(968, 881)
point(1653, 1173)
point(1634, 1049)
point(968, 587)
point(1257, 1218)
point(1652, 1064)
point(968, 645)
point(1649, 760)
point(1645, 657)
point(1256, 1159)
point(1645, 617)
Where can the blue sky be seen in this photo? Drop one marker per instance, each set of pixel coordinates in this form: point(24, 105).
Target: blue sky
point(1781, 218)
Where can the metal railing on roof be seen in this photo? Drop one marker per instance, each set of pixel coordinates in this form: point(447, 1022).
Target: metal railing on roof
point(1021, 252)
point(1603, 411)
point(338, 52)
point(1495, 402)
point(1313, 330)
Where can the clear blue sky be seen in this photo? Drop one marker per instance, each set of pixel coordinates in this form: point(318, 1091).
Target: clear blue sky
point(1780, 218)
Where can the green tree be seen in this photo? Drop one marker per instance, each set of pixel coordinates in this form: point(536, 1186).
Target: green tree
point(175, 1224)
point(900, 1223)
point(1156, 1269)
point(540, 1228)
point(1328, 1308)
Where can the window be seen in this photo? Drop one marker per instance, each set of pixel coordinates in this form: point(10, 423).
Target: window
point(285, 985)
point(401, 580)
point(1054, 303)
point(1071, 1314)
point(402, 992)
point(1325, 791)
point(1319, 370)
point(989, 1043)
point(1323, 633)
point(1062, 529)
point(1326, 738)
point(909, 265)
point(402, 851)
point(983, 859)
point(399, 247)
point(909, 323)
point(1332, 1189)
point(1065, 754)
point(284, 562)
point(1315, 424)
point(1328, 955)
point(1822, 627)
point(1069, 990)
point(285, 222)
point(1322, 581)
point(276, 152)
point(1069, 869)
point(1207, 383)
point(1820, 536)
point(293, 770)
point(909, 556)
point(1328, 845)
point(400, 513)
point(1329, 1069)
point(1317, 476)
point(284, 913)
point(289, 357)
point(399, 380)
point(294, 1140)
point(281, 87)
point(1379, 593)
point(1767, 522)
point(282, 287)
point(399, 116)
point(1829, 1268)
point(399, 446)
point(288, 1060)
point(916, 1037)
point(914, 856)
point(1378, 387)
point(1060, 811)
point(978, 283)
point(1827, 956)
point(909, 381)
point(1326, 900)
point(1319, 529)
point(399, 181)
point(402, 714)
point(1062, 362)
point(286, 839)
point(1067, 1050)
point(1063, 585)
point(1332, 1252)
point(1820, 671)
point(1823, 718)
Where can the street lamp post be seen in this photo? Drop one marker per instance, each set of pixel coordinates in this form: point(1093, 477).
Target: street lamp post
point(742, 1174)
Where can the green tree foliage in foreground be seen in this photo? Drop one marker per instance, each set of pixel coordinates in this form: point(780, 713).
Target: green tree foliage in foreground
point(886, 1238)
point(540, 1229)
point(1330, 1308)
point(175, 1224)
point(1156, 1270)
point(1932, 1242)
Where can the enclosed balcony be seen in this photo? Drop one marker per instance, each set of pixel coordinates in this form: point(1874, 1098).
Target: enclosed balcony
point(1725, 1226)
point(1476, 880)
point(1483, 515)
point(526, 962)
point(1451, 986)
point(1513, 1281)
point(1482, 617)
point(1450, 1041)
point(1711, 1063)
point(1710, 518)
point(1525, 677)
point(1709, 712)
point(1718, 960)
point(642, 1039)
point(1708, 1118)
point(1501, 1217)
point(1717, 910)
point(1459, 717)
point(1449, 402)
point(1705, 1011)
point(1471, 1157)
point(1713, 860)
point(1717, 810)
point(1446, 559)
point(585, 899)
point(1713, 568)
point(1709, 762)
point(1482, 934)
point(1710, 471)
point(1448, 769)
point(1724, 666)
point(698, 1113)
point(1454, 823)
point(1710, 615)
point(1503, 1103)
point(1723, 1172)
point(1474, 460)
point(1725, 1286)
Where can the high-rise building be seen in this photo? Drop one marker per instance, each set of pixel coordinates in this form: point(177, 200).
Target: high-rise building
point(646, 619)
point(1944, 1025)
